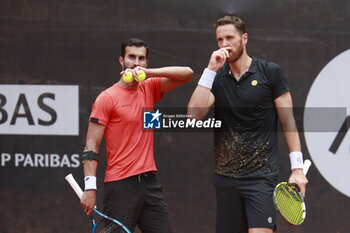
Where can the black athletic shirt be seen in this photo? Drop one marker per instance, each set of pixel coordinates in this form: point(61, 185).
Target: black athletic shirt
point(246, 144)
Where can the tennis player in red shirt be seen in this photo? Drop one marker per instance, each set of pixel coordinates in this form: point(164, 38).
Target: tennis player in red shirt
point(131, 191)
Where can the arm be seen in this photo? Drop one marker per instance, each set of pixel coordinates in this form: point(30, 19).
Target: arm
point(202, 99)
point(200, 103)
point(93, 141)
point(284, 108)
point(172, 76)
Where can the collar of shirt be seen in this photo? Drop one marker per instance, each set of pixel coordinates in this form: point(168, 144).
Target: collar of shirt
point(253, 68)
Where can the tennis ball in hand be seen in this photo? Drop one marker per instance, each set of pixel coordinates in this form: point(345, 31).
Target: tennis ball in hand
point(128, 77)
point(141, 76)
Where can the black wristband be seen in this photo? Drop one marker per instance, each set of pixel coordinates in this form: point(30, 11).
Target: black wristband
point(89, 155)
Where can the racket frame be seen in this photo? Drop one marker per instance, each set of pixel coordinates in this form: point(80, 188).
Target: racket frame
point(75, 186)
point(307, 164)
point(295, 191)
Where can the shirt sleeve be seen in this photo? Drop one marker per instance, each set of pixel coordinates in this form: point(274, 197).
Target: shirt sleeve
point(155, 86)
point(101, 109)
point(278, 82)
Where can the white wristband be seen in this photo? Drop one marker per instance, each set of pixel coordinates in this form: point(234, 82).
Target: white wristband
point(296, 160)
point(90, 183)
point(207, 78)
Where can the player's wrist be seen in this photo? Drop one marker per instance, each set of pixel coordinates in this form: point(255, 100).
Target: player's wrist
point(207, 78)
point(90, 183)
point(296, 160)
point(213, 68)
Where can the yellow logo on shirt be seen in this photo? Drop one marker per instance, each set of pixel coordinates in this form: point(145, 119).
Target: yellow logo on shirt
point(254, 83)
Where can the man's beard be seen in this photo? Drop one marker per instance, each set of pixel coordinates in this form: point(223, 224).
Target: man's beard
point(235, 55)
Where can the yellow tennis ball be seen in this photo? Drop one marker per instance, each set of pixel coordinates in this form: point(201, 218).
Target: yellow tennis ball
point(141, 76)
point(128, 77)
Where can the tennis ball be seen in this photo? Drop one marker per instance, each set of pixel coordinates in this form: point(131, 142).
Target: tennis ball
point(128, 77)
point(141, 76)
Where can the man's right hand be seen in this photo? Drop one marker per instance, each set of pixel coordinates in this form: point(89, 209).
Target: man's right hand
point(88, 201)
point(218, 58)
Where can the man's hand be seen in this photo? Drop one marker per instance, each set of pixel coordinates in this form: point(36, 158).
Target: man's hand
point(218, 58)
point(88, 201)
point(297, 177)
point(135, 71)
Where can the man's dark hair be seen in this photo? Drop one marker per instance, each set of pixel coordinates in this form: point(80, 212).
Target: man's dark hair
point(235, 20)
point(133, 42)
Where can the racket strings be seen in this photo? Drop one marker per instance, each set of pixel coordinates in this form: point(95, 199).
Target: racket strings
point(290, 204)
point(107, 226)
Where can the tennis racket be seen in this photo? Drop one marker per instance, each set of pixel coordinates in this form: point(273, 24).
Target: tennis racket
point(106, 224)
point(289, 201)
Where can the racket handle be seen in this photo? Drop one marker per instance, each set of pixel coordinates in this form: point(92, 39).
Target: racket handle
point(307, 164)
point(75, 186)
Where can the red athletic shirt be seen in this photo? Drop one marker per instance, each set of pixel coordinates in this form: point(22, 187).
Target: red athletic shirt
point(129, 147)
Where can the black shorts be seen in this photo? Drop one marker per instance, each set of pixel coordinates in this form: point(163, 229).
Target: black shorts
point(245, 203)
point(138, 200)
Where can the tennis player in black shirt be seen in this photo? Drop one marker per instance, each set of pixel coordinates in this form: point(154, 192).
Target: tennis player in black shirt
point(249, 96)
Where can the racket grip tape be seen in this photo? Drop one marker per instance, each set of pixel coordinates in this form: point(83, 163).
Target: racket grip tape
point(75, 186)
point(307, 164)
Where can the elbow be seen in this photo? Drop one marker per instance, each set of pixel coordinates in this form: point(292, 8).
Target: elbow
point(92, 145)
point(189, 74)
point(194, 111)
point(192, 104)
